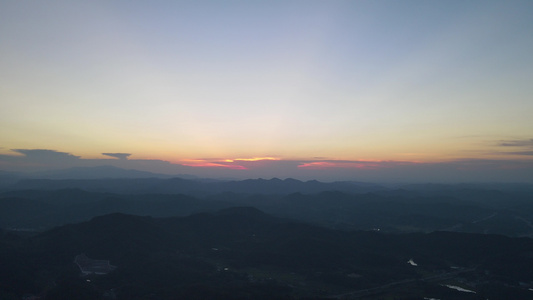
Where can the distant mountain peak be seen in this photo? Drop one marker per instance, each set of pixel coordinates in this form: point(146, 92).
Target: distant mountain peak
point(292, 180)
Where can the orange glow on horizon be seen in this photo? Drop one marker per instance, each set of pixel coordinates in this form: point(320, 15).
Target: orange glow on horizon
point(224, 163)
point(363, 164)
point(251, 159)
point(206, 164)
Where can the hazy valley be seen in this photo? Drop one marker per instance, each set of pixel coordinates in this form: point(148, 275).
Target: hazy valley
point(175, 238)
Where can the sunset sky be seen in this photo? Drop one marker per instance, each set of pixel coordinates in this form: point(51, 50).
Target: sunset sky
point(333, 90)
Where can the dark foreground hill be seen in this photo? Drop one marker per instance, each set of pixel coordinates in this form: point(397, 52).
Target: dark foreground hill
point(243, 253)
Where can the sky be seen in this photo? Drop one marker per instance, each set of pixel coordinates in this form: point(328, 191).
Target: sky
point(330, 90)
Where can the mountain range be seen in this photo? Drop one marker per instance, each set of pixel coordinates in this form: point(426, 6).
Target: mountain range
point(178, 238)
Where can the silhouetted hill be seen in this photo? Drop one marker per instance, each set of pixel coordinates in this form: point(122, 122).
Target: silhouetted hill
point(20, 212)
point(118, 237)
point(244, 253)
point(44, 209)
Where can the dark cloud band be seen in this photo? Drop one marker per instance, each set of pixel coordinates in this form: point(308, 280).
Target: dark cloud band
point(517, 143)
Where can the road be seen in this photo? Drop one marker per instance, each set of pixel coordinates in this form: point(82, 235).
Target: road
point(381, 289)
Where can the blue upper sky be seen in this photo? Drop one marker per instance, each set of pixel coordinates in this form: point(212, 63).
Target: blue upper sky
point(205, 83)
